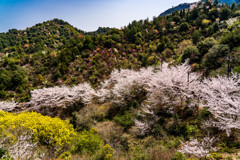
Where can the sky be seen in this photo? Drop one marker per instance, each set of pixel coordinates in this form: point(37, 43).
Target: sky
point(86, 15)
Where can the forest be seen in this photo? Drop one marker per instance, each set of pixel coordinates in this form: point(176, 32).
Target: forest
point(160, 89)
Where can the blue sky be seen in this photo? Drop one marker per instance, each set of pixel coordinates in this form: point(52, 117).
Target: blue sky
point(87, 15)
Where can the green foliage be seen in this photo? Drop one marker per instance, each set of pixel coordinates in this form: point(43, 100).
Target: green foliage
point(191, 130)
point(54, 53)
point(105, 153)
point(3, 152)
point(232, 39)
point(125, 119)
point(216, 156)
point(225, 13)
point(179, 156)
point(191, 53)
point(63, 54)
point(88, 142)
point(177, 19)
point(138, 153)
point(205, 45)
point(204, 114)
point(184, 27)
point(215, 56)
point(65, 156)
point(196, 36)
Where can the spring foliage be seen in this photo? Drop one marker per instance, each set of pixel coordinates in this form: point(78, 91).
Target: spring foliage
point(33, 129)
point(167, 87)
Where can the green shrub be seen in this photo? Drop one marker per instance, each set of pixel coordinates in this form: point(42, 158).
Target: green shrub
point(184, 27)
point(191, 130)
point(65, 156)
point(232, 39)
point(205, 45)
point(215, 56)
point(216, 156)
point(191, 53)
point(138, 153)
point(88, 142)
point(179, 156)
point(106, 153)
point(3, 151)
point(126, 119)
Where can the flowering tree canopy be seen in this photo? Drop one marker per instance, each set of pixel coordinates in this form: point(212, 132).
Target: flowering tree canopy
point(59, 96)
point(199, 148)
point(222, 97)
point(7, 106)
point(165, 86)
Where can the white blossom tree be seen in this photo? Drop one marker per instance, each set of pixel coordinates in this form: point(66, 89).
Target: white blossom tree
point(221, 95)
point(119, 87)
point(60, 96)
point(23, 148)
point(8, 106)
point(170, 86)
point(199, 148)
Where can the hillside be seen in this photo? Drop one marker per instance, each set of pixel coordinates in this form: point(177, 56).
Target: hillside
point(187, 6)
point(177, 8)
point(46, 35)
point(166, 88)
point(229, 2)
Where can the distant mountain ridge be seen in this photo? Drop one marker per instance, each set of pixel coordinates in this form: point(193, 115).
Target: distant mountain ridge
point(187, 6)
point(49, 34)
point(230, 2)
point(177, 8)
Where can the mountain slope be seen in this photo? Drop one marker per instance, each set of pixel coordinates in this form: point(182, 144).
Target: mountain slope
point(187, 6)
point(177, 8)
point(229, 2)
point(49, 34)
point(124, 90)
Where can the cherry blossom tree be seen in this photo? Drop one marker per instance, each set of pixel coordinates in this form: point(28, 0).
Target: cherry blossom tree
point(199, 148)
point(60, 96)
point(221, 95)
point(171, 86)
point(146, 121)
point(23, 148)
point(8, 106)
point(121, 84)
point(168, 87)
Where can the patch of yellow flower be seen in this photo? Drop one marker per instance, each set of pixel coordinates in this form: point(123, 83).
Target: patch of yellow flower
point(52, 132)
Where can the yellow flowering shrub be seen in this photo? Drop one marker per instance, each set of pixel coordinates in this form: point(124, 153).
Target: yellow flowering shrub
point(206, 22)
point(52, 132)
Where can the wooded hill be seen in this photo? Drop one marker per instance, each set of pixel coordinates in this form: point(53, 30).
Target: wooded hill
point(156, 89)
